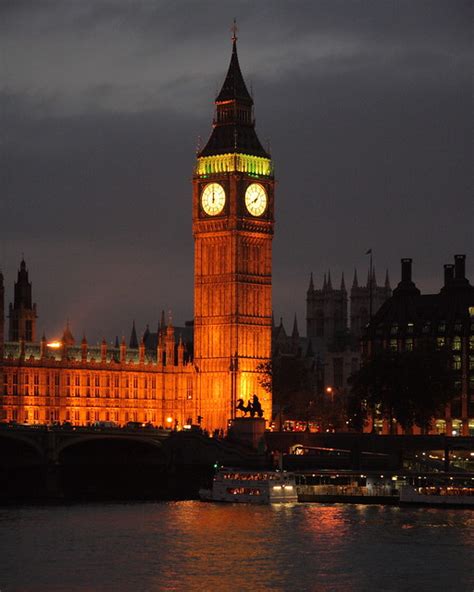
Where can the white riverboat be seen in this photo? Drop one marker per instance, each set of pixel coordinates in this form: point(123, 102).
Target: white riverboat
point(251, 487)
point(437, 495)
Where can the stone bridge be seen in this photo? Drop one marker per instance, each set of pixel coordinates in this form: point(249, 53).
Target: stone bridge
point(51, 462)
point(48, 443)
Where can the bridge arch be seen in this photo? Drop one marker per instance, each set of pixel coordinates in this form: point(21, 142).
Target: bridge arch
point(82, 439)
point(25, 444)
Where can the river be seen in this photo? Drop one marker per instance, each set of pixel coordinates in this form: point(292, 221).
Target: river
point(190, 545)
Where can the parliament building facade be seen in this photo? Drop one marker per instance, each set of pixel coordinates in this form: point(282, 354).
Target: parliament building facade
point(163, 379)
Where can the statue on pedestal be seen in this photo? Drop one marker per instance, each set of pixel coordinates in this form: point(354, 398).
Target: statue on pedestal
point(253, 407)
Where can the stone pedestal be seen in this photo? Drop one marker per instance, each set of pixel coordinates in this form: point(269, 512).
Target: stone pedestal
point(248, 431)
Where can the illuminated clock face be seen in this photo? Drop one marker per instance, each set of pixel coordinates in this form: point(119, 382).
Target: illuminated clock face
point(256, 199)
point(213, 199)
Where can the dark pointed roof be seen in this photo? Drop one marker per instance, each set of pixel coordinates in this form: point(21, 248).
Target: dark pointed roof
point(295, 333)
point(234, 84)
point(343, 283)
point(355, 282)
point(234, 126)
point(68, 338)
point(133, 338)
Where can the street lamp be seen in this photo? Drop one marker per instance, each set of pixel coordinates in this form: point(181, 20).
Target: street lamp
point(330, 392)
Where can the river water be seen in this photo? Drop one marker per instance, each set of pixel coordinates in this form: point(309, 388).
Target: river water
point(195, 546)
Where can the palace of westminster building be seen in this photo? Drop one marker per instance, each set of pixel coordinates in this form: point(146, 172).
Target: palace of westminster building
point(163, 380)
point(197, 373)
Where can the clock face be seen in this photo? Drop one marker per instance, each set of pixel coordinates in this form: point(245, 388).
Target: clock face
point(256, 199)
point(213, 199)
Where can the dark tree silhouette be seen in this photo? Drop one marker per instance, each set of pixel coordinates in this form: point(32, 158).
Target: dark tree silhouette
point(411, 387)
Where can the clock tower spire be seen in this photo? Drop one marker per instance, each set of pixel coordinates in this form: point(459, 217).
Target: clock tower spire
point(233, 204)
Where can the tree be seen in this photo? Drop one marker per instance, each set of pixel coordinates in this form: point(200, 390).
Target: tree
point(410, 387)
point(292, 381)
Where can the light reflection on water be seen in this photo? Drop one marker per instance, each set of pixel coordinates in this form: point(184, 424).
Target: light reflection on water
point(196, 546)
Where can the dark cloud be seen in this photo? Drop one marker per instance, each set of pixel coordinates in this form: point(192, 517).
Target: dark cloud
point(367, 106)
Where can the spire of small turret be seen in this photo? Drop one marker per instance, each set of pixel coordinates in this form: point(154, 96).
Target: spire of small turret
point(355, 281)
point(68, 338)
point(329, 286)
point(343, 283)
point(387, 280)
point(133, 343)
point(295, 333)
point(84, 340)
point(324, 282)
point(311, 283)
point(117, 343)
point(146, 334)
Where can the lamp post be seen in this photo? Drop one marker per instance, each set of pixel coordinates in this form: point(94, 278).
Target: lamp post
point(330, 392)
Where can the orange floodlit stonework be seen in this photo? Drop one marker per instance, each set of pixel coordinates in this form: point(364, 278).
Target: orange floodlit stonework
point(164, 381)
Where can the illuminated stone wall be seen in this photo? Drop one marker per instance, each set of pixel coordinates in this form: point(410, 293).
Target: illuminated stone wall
point(42, 390)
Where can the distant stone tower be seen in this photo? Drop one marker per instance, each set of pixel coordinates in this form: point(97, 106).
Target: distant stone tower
point(326, 312)
point(22, 313)
point(360, 301)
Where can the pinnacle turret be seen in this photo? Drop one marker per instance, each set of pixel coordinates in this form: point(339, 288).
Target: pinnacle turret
point(355, 281)
point(329, 285)
point(133, 343)
point(295, 333)
point(68, 338)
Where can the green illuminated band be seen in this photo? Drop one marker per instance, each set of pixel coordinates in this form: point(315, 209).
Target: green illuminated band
point(226, 163)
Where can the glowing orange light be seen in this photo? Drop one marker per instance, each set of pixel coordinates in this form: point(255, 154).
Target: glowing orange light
point(329, 390)
point(54, 344)
point(169, 420)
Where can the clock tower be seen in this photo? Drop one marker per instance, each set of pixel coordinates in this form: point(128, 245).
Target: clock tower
point(233, 205)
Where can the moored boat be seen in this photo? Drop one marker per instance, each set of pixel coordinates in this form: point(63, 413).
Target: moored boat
point(253, 487)
point(437, 495)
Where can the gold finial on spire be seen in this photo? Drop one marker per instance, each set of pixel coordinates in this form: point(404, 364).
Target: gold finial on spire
point(234, 30)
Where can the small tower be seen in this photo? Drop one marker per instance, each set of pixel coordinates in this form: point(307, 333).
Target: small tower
point(103, 351)
point(2, 316)
point(123, 350)
point(22, 313)
point(43, 347)
point(133, 343)
point(68, 338)
point(180, 351)
point(84, 349)
point(169, 343)
point(326, 313)
point(365, 299)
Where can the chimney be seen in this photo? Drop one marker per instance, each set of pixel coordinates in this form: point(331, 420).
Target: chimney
point(460, 267)
point(406, 270)
point(448, 273)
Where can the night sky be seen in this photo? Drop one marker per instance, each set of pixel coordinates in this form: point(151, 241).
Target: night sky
point(367, 107)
